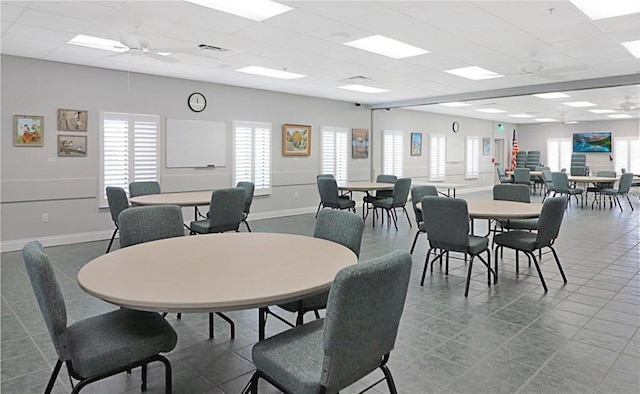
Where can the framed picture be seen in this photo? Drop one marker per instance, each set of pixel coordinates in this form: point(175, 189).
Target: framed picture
point(416, 144)
point(359, 143)
point(296, 140)
point(28, 130)
point(486, 146)
point(72, 146)
point(72, 120)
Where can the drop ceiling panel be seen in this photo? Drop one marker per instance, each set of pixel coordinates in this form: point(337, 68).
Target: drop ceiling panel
point(53, 21)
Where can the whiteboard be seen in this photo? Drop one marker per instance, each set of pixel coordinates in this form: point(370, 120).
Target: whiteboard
point(455, 148)
point(195, 143)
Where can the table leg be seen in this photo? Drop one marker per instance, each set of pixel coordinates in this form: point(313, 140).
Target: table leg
point(262, 320)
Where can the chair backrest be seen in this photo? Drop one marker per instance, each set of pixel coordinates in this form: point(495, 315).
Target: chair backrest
point(118, 201)
point(514, 192)
point(607, 174)
point(401, 192)
point(548, 179)
point(502, 175)
point(324, 176)
point(578, 170)
point(560, 181)
point(143, 188)
point(149, 223)
point(626, 180)
point(522, 175)
point(623, 170)
point(417, 193)
point(339, 226)
point(385, 178)
point(225, 209)
point(328, 189)
point(447, 222)
point(363, 313)
point(249, 189)
point(550, 220)
point(578, 160)
point(47, 291)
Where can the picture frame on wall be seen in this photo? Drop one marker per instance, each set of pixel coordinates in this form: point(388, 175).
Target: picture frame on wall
point(28, 130)
point(416, 144)
point(72, 146)
point(359, 143)
point(296, 140)
point(72, 120)
point(486, 146)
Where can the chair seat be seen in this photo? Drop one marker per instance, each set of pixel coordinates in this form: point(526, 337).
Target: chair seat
point(521, 240)
point(386, 203)
point(573, 191)
point(203, 227)
point(116, 339)
point(299, 350)
point(519, 224)
point(370, 199)
point(475, 246)
point(342, 204)
point(318, 301)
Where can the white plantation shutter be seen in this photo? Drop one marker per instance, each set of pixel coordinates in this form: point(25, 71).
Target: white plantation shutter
point(559, 152)
point(393, 155)
point(627, 154)
point(128, 150)
point(252, 155)
point(437, 152)
point(334, 152)
point(473, 158)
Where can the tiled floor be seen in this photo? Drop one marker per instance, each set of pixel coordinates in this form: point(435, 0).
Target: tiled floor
point(580, 337)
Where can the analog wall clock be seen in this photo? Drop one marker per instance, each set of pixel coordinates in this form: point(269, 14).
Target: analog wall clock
point(197, 102)
point(455, 127)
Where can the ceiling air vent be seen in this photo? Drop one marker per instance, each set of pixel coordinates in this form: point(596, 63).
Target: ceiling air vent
point(213, 48)
point(358, 79)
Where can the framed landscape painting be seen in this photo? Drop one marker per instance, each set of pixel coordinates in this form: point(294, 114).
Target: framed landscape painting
point(28, 130)
point(416, 144)
point(359, 143)
point(296, 140)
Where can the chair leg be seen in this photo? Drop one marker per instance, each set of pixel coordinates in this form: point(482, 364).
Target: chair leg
point(247, 224)
point(407, 215)
point(54, 375)
point(211, 325)
point(415, 239)
point(555, 255)
point(316, 313)
point(426, 263)
point(535, 261)
point(318, 210)
point(629, 201)
point(231, 323)
point(143, 383)
point(466, 289)
point(390, 383)
point(113, 236)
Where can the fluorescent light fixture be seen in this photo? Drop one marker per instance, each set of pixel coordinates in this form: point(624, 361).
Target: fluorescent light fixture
point(474, 73)
point(602, 111)
point(571, 122)
point(553, 95)
point(521, 116)
point(257, 10)
point(546, 120)
point(633, 47)
point(491, 111)
point(269, 72)
point(386, 46)
point(620, 116)
point(455, 104)
point(598, 9)
point(580, 104)
point(363, 89)
point(97, 43)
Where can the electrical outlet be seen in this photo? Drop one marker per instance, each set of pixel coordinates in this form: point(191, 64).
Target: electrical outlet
point(45, 218)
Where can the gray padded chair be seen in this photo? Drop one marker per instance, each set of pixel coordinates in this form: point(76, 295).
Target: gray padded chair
point(447, 221)
point(151, 223)
point(328, 189)
point(417, 193)
point(548, 183)
point(522, 176)
point(598, 187)
point(518, 193)
point(355, 338)
point(368, 200)
point(100, 346)
point(527, 242)
point(225, 212)
point(118, 202)
point(143, 188)
point(249, 189)
point(561, 184)
point(623, 189)
point(399, 199)
point(502, 175)
point(341, 227)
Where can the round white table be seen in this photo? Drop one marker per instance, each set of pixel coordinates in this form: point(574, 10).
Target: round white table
point(364, 186)
point(183, 199)
point(498, 209)
point(215, 272)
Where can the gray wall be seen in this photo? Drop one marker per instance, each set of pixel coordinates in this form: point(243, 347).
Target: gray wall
point(35, 181)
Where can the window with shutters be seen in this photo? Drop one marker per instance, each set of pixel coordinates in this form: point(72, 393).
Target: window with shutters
point(334, 151)
point(627, 154)
point(128, 150)
point(473, 158)
point(559, 152)
point(252, 155)
point(392, 153)
point(437, 153)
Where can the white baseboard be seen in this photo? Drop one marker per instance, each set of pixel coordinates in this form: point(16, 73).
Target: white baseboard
point(57, 240)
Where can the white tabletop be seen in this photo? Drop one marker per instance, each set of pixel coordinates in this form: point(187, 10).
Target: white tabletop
point(183, 199)
point(215, 272)
point(592, 179)
point(364, 186)
point(532, 173)
point(499, 209)
point(441, 184)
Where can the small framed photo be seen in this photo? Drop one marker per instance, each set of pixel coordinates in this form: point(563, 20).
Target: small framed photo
point(72, 120)
point(28, 130)
point(296, 140)
point(72, 146)
point(486, 146)
point(416, 144)
point(359, 143)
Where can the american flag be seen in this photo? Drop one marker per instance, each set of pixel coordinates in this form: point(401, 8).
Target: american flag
point(514, 151)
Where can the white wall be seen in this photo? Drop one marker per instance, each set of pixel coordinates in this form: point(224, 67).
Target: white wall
point(534, 137)
point(35, 181)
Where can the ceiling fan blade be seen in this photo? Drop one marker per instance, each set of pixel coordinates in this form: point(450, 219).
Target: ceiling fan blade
point(166, 59)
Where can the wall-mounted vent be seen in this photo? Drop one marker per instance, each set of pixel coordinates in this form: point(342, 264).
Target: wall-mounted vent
point(358, 79)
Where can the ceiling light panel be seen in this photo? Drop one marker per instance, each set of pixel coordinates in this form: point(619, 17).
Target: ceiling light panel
point(257, 10)
point(633, 47)
point(545, 120)
point(386, 46)
point(97, 43)
point(521, 116)
point(455, 104)
point(491, 111)
point(269, 72)
point(598, 9)
point(474, 73)
point(580, 104)
point(620, 116)
point(553, 95)
point(602, 111)
point(363, 89)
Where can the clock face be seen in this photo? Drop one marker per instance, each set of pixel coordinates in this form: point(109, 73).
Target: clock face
point(197, 102)
point(455, 127)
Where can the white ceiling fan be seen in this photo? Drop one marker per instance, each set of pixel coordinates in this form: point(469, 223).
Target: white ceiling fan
point(534, 69)
point(628, 106)
point(136, 44)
